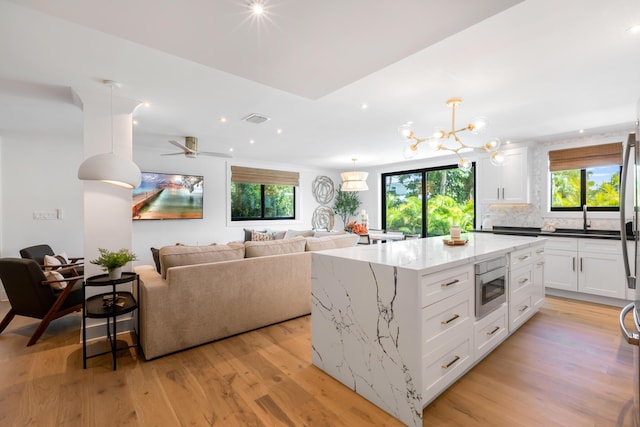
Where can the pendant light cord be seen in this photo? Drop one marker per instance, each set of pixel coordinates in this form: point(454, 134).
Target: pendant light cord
point(112, 151)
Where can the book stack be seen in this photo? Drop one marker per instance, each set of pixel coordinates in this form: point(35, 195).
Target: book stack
point(108, 301)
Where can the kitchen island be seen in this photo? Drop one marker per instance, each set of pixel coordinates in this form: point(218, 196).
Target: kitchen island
point(395, 322)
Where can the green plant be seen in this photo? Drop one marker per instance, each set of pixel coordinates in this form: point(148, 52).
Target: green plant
point(109, 260)
point(346, 204)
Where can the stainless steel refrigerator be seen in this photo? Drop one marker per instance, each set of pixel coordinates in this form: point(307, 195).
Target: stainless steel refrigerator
point(629, 232)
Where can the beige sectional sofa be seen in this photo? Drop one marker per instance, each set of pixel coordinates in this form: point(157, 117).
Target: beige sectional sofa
point(204, 293)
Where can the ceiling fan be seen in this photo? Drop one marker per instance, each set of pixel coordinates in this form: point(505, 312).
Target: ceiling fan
point(190, 149)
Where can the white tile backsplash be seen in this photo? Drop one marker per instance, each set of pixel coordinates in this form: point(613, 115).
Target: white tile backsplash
point(532, 215)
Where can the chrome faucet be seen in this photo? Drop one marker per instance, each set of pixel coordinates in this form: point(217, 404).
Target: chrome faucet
point(585, 224)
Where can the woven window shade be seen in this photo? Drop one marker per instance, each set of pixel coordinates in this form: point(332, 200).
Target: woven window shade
point(585, 157)
point(264, 176)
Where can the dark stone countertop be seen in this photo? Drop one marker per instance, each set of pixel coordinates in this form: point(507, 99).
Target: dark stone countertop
point(560, 232)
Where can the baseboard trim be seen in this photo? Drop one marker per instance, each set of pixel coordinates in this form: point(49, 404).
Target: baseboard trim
point(615, 302)
point(98, 330)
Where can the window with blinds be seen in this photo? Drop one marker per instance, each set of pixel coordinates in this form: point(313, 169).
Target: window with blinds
point(586, 176)
point(263, 194)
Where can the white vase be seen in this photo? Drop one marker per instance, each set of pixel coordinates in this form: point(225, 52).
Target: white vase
point(115, 273)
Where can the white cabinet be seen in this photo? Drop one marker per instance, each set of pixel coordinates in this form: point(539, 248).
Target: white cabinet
point(600, 268)
point(526, 294)
point(508, 183)
point(447, 328)
point(591, 266)
point(560, 261)
point(490, 331)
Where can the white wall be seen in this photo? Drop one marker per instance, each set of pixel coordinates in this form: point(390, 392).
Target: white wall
point(39, 175)
point(38, 172)
point(215, 227)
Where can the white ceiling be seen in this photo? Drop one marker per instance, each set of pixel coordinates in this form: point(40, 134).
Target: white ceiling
point(536, 68)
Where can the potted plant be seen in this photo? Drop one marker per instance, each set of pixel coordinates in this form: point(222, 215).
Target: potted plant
point(346, 204)
point(112, 262)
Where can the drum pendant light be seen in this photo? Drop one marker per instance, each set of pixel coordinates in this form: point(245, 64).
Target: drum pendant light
point(109, 167)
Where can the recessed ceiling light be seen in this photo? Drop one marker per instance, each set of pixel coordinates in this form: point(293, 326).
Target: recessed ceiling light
point(251, 141)
point(135, 122)
point(223, 119)
point(257, 7)
point(279, 131)
point(581, 131)
point(635, 29)
point(507, 142)
point(231, 149)
point(364, 106)
point(147, 104)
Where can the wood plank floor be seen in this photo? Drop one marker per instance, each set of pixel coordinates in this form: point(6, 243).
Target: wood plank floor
point(568, 366)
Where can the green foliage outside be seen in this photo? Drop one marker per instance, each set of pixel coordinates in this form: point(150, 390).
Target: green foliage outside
point(247, 201)
point(346, 204)
point(566, 188)
point(450, 200)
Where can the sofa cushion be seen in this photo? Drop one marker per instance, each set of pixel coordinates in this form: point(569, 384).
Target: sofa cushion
point(324, 233)
point(274, 247)
point(293, 233)
point(331, 242)
point(172, 256)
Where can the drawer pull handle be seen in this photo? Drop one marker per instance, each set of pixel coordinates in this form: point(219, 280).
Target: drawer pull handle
point(448, 365)
point(496, 329)
point(540, 251)
point(523, 308)
point(446, 322)
point(523, 257)
point(540, 264)
point(522, 281)
point(453, 282)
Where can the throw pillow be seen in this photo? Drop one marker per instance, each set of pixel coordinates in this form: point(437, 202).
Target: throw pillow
point(54, 262)
point(248, 232)
point(277, 234)
point(54, 275)
point(257, 236)
point(155, 252)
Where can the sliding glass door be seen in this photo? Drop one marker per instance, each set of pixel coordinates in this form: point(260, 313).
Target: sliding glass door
point(403, 203)
point(426, 202)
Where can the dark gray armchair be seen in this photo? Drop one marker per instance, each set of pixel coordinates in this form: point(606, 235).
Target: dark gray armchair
point(38, 253)
point(30, 294)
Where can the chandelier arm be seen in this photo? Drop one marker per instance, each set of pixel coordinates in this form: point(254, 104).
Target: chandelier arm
point(453, 119)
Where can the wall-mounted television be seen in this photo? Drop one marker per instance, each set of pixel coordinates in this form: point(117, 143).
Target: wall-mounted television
point(168, 196)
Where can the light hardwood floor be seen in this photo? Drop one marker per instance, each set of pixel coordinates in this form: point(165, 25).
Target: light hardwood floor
point(568, 366)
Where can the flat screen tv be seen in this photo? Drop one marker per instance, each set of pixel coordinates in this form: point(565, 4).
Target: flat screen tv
point(168, 196)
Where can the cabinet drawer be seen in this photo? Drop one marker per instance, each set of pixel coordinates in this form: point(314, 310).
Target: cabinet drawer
point(445, 365)
point(561, 243)
point(538, 251)
point(520, 311)
point(447, 317)
point(600, 246)
point(490, 331)
point(521, 281)
point(437, 286)
point(521, 257)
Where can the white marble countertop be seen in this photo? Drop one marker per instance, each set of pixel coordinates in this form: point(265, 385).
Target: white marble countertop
point(431, 254)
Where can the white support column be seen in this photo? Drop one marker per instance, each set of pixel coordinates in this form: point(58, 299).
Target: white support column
point(107, 208)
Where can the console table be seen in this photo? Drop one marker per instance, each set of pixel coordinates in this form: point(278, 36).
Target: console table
point(109, 305)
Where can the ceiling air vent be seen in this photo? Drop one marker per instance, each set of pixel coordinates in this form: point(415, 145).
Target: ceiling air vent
point(256, 118)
